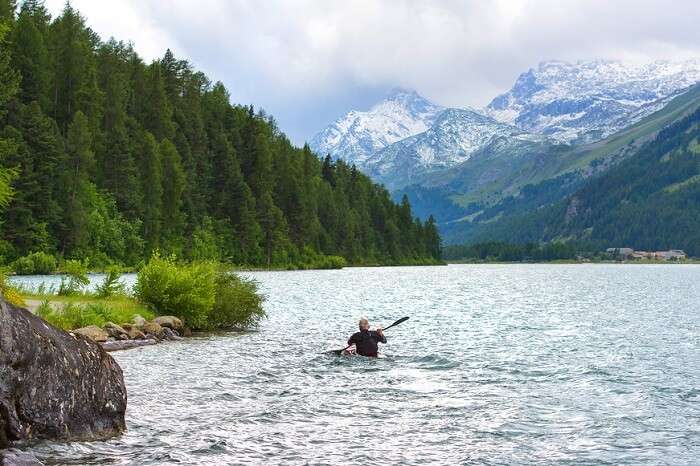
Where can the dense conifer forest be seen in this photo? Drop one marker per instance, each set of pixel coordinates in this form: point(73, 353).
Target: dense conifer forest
point(108, 158)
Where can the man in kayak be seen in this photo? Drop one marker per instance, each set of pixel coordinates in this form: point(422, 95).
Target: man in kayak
point(367, 341)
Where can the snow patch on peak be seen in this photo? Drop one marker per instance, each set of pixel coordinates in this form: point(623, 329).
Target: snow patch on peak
point(589, 100)
point(456, 136)
point(356, 136)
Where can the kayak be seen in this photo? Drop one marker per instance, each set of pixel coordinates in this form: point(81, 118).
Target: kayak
point(352, 349)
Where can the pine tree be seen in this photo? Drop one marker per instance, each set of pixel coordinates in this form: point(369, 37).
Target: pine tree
point(261, 179)
point(79, 188)
point(9, 81)
point(273, 226)
point(173, 188)
point(117, 171)
point(71, 51)
point(157, 112)
point(30, 57)
point(152, 188)
point(432, 239)
point(7, 10)
point(9, 78)
point(34, 219)
point(173, 72)
point(38, 12)
point(327, 170)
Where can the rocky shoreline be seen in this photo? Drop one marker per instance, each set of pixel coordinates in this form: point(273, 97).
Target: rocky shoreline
point(139, 332)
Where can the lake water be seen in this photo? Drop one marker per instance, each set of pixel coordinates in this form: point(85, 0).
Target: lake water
point(499, 364)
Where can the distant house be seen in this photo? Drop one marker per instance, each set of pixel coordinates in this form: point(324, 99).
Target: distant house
point(620, 252)
point(629, 253)
point(640, 255)
point(672, 255)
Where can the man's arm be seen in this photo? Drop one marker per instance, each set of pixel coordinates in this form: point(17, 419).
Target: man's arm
point(351, 340)
point(380, 335)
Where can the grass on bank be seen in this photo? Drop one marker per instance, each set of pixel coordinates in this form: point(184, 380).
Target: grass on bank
point(81, 311)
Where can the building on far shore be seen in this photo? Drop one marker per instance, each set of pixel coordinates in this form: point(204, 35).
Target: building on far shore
point(622, 253)
point(673, 254)
point(629, 253)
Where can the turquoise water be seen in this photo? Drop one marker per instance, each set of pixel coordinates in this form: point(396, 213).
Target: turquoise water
point(499, 364)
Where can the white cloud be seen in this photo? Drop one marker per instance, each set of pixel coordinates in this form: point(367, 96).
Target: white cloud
point(306, 61)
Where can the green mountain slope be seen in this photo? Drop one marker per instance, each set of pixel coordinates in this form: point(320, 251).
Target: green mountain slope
point(651, 200)
point(496, 186)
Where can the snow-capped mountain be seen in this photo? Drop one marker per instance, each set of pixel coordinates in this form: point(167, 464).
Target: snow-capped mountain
point(589, 100)
point(456, 135)
point(405, 136)
point(358, 135)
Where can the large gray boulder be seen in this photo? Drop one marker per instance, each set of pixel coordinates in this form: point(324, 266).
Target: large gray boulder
point(54, 384)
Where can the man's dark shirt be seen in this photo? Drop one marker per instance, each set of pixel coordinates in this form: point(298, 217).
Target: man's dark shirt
point(366, 342)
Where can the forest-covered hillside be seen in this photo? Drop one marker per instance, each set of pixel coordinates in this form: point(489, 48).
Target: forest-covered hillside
point(109, 158)
point(649, 201)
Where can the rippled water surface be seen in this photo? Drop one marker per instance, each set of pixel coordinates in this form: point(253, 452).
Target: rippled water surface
point(499, 364)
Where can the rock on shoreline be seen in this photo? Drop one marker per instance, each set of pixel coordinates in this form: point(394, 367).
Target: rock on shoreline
point(140, 332)
point(54, 384)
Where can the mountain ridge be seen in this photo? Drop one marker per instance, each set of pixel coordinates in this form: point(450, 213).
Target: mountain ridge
point(586, 101)
point(359, 134)
point(567, 170)
point(455, 137)
point(566, 103)
point(650, 200)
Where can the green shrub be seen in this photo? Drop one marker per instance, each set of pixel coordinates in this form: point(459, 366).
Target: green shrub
point(307, 258)
point(187, 291)
point(238, 302)
point(43, 263)
point(204, 295)
point(35, 263)
point(111, 285)
point(23, 266)
point(76, 277)
point(332, 262)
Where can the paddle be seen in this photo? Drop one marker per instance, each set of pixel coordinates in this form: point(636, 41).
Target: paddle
point(400, 321)
point(338, 352)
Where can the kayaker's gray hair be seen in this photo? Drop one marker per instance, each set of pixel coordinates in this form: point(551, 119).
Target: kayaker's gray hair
point(364, 321)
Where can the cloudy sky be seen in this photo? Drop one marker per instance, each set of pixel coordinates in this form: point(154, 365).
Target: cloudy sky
point(309, 61)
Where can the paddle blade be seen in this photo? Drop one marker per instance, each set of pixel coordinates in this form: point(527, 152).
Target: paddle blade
point(401, 320)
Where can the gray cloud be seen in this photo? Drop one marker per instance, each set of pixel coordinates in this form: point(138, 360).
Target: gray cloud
point(307, 62)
